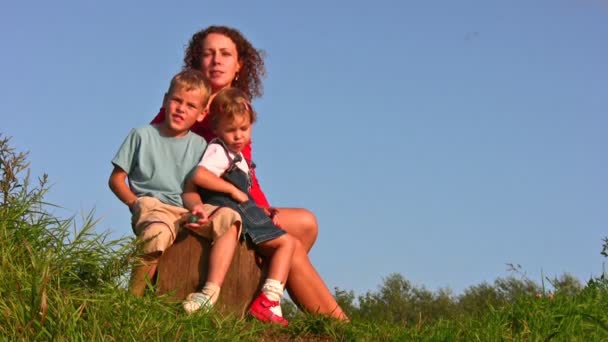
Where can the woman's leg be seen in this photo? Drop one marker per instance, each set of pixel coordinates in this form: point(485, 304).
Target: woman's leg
point(300, 223)
point(308, 290)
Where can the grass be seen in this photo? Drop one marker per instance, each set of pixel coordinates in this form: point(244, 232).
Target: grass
point(63, 281)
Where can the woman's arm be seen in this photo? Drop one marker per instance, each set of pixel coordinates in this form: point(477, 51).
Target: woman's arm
point(255, 191)
point(160, 117)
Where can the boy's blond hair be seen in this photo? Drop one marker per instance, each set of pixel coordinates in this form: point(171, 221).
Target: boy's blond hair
point(228, 103)
point(191, 79)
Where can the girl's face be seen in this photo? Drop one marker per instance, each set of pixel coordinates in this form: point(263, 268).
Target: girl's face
point(220, 62)
point(235, 131)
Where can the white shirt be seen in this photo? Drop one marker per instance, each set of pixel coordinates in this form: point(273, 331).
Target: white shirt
point(216, 160)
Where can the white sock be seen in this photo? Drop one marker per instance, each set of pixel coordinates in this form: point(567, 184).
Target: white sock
point(211, 290)
point(273, 289)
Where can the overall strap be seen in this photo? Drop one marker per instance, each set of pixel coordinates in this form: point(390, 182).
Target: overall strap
point(233, 161)
point(238, 158)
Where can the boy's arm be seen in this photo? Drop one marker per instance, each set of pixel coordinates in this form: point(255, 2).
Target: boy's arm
point(208, 180)
point(120, 188)
point(192, 201)
point(190, 196)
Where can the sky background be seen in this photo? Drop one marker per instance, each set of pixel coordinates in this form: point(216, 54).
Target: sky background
point(436, 139)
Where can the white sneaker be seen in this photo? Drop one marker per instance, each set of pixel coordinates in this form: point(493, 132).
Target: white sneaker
point(195, 301)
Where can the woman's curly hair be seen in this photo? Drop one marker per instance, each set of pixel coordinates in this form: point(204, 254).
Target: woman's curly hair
point(252, 60)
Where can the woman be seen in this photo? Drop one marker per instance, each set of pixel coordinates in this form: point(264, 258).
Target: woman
point(228, 59)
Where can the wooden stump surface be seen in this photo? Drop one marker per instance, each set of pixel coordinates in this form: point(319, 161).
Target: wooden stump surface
point(182, 269)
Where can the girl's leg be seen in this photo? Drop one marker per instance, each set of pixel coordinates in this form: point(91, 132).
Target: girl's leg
point(279, 252)
point(299, 223)
point(266, 306)
point(308, 290)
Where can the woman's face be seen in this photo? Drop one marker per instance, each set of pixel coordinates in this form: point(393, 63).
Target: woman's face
point(220, 62)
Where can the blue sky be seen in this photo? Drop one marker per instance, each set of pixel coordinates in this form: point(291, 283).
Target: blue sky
point(437, 139)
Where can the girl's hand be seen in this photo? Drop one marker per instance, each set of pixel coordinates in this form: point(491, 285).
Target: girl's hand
point(239, 196)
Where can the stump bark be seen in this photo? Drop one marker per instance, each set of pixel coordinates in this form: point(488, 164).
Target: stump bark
point(182, 269)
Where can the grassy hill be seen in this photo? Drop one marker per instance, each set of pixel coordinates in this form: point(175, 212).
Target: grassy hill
point(62, 280)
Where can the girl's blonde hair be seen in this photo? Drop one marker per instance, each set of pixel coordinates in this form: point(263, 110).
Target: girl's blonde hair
point(227, 104)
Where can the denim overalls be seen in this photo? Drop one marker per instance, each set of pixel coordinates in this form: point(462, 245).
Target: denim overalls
point(256, 224)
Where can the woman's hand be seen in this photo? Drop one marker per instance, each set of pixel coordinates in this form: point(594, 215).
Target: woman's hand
point(272, 213)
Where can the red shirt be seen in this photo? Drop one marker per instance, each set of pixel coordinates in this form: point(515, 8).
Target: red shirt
point(203, 129)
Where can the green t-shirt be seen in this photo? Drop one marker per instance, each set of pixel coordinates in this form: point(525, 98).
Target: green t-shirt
point(158, 166)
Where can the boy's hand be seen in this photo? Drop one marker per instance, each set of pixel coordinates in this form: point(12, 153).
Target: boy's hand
point(197, 219)
point(239, 196)
point(130, 204)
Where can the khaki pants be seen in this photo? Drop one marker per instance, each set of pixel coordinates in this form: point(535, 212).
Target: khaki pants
point(159, 237)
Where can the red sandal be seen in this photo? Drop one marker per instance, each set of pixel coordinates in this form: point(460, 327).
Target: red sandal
point(260, 310)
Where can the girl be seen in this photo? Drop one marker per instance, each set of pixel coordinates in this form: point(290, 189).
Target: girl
point(231, 117)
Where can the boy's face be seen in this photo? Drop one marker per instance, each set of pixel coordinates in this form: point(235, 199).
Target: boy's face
point(183, 108)
point(235, 132)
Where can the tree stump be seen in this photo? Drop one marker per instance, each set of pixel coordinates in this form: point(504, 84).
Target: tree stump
point(182, 269)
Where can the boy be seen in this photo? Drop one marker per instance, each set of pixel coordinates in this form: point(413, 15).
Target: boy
point(157, 159)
